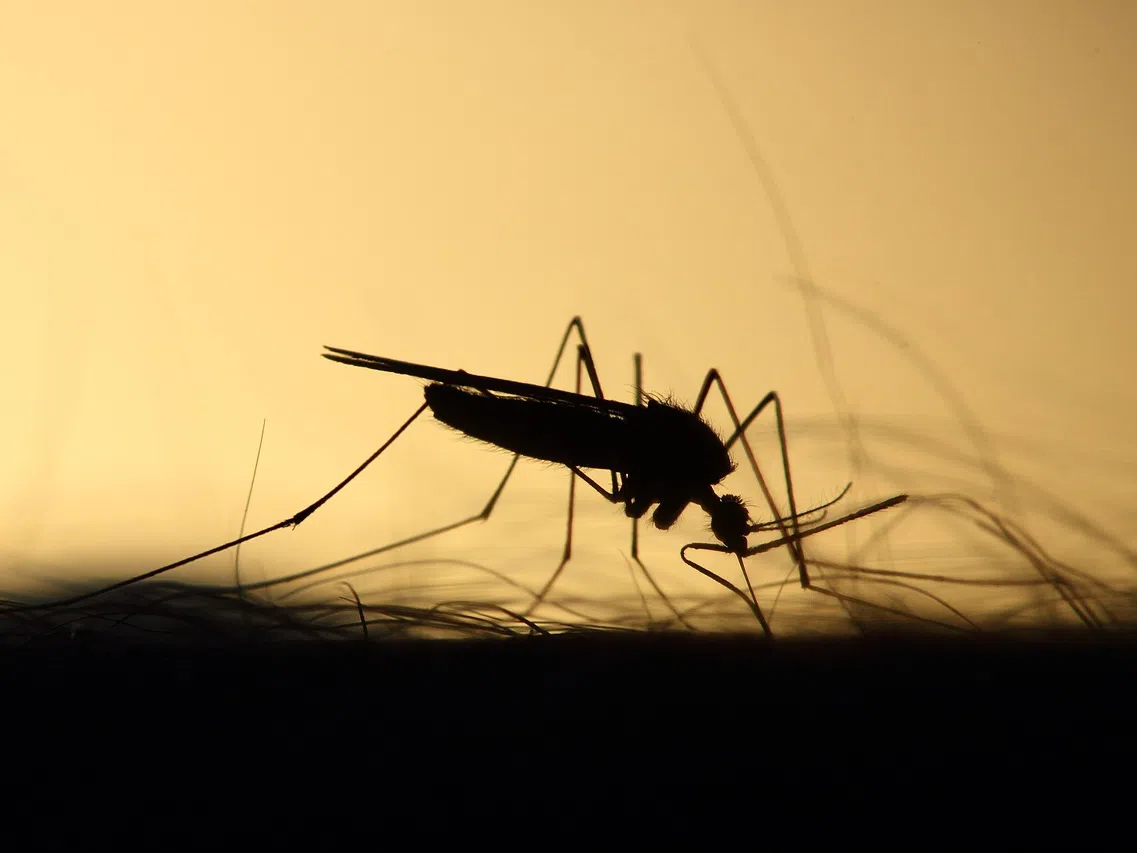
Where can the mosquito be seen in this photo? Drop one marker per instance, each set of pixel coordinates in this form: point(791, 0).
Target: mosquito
point(657, 453)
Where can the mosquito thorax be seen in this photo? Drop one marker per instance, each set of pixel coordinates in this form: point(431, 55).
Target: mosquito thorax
point(683, 444)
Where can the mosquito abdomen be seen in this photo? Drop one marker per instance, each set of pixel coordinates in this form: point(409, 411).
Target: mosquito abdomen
point(540, 429)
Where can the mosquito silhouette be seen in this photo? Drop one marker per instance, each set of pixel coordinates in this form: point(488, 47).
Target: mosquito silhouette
point(658, 454)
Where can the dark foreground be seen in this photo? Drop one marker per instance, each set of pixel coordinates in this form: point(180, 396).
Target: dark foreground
point(904, 737)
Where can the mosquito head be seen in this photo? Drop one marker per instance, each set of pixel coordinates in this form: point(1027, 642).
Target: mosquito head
point(730, 522)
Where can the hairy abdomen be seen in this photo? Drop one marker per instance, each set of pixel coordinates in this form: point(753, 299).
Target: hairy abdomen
point(541, 429)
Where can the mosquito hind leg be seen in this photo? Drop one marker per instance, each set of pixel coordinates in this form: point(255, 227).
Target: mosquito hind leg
point(585, 363)
point(751, 600)
point(291, 521)
point(574, 324)
point(487, 510)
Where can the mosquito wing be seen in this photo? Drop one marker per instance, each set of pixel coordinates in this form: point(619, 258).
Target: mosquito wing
point(667, 449)
point(462, 379)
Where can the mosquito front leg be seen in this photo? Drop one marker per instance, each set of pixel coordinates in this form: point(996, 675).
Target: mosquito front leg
point(793, 537)
point(739, 434)
point(845, 600)
point(751, 600)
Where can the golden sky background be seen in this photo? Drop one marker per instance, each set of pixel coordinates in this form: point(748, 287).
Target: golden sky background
point(194, 198)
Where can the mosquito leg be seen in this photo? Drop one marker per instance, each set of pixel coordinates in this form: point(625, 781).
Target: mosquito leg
point(638, 367)
point(793, 537)
point(311, 508)
point(750, 600)
point(292, 521)
point(740, 426)
point(637, 361)
point(789, 534)
point(843, 599)
point(584, 355)
point(574, 324)
point(611, 497)
point(614, 497)
point(584, 362)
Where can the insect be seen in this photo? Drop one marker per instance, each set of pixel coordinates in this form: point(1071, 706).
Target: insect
point(658, 454)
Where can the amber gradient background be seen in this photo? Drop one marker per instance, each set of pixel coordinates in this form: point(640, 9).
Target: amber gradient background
point(195, 197)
